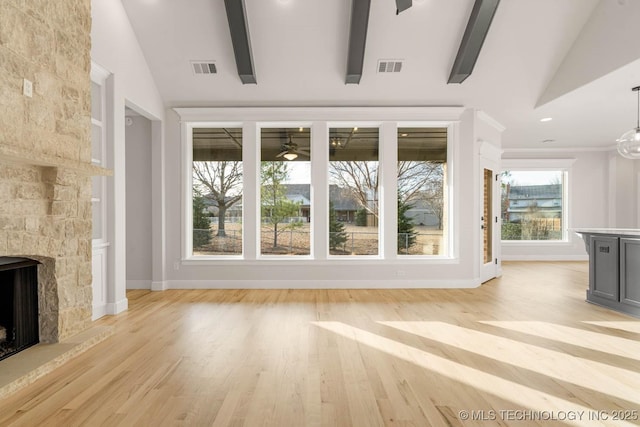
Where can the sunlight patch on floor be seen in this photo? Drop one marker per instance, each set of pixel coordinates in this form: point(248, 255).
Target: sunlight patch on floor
point(504, 389)
point(579, 337)
point(631, 326)
point(545, 362)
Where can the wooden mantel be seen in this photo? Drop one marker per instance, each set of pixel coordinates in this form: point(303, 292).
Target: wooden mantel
point(22, 156)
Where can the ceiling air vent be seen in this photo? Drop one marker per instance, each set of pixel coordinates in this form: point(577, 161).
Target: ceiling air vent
point(389, 65)
point(204, 67)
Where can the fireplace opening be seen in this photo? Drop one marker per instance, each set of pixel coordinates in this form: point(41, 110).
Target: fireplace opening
point(18, 305)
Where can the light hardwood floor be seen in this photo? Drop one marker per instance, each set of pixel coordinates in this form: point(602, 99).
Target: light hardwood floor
point(527, 341)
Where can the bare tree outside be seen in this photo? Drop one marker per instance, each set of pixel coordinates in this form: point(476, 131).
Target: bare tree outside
point(362, 178)
point(416, 177)
point(421, 170)
point(422, 180)
point(354, 174)
point(220, 182)
point(416, 180)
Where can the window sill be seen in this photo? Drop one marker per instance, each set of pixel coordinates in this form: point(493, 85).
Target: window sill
point(361, 260)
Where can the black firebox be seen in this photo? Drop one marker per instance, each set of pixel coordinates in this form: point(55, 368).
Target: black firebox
point(18, 305)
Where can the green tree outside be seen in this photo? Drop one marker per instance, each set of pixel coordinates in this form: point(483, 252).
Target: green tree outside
point(406, 231)
point(275, 206)
point(337, 235)
point(201, 225)
point(361, 218)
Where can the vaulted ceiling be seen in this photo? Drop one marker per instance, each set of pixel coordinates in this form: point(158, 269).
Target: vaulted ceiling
point(573, 60)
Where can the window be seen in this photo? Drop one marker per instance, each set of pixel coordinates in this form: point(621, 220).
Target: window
point(533, 205)
point(353, 191)
point(260, 187)
point(285, 191)
point(217, 191)
point(422, 163)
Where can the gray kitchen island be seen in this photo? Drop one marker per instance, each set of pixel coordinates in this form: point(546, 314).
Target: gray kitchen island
point(614, 268)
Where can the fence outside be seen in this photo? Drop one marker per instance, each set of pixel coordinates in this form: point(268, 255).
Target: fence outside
point(297, 242)
point(231, 244)
point(533, 229)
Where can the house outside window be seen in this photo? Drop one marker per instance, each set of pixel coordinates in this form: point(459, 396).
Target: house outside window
point(533, 205)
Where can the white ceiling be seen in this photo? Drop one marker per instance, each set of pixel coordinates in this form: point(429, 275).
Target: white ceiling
point(578, 58)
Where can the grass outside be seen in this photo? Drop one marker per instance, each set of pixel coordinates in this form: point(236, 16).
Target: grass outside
point(296, 241)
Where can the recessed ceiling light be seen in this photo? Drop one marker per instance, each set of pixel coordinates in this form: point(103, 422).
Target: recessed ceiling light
point(355, 129)
point(547, 141)
point(546, 119)
point(404, 134)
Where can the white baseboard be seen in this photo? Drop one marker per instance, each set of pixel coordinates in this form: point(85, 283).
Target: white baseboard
point(138, 284)
point(118, 307)
point(159, 286)
point(545, 257)
point(98, 311)
point(323, 284)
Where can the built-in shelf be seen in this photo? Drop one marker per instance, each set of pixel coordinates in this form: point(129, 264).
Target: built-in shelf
point(29, 157)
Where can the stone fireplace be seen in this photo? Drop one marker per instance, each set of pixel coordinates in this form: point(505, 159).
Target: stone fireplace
point(19, 314)
point(45, 215)
point(45, 155)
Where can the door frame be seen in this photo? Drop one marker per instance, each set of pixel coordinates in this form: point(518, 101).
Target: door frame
point(490, 159)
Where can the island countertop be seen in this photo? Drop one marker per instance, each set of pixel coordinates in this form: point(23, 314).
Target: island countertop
point(620, 232)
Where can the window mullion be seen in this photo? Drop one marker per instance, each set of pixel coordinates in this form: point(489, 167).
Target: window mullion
point(388, 189)
point(320, 189)
point(251, 191)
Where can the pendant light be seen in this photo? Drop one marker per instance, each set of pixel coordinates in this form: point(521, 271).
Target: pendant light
point(629, 143)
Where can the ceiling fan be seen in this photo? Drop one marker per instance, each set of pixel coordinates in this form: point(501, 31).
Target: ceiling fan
point(290, 150)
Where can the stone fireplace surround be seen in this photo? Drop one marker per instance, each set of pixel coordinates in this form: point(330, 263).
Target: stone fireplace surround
point(45, 215)
point(45, 154)
point(45, 158)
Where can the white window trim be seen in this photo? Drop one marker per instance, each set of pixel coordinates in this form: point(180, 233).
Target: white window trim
point(187, 190)
point(563, 165)
point(319, 119)
point(382, 214)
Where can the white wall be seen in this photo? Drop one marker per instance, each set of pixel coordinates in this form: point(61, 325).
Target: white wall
point(622, 192)
point(139, 212)
point(588, 204)
point(114, 46)
point(116, 49)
